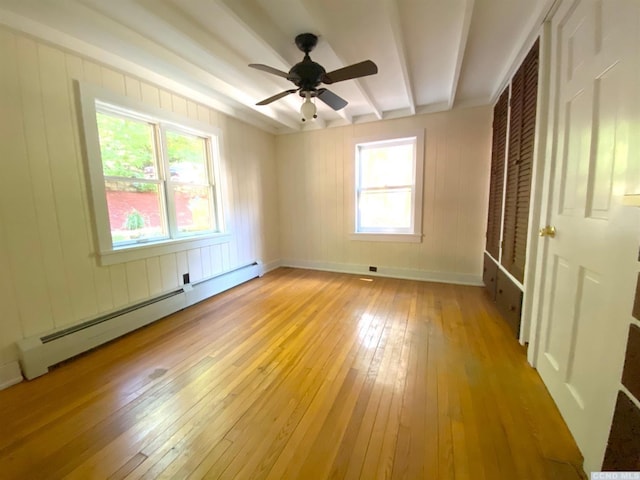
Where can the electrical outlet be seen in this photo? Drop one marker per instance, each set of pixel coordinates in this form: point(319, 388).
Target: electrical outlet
point(185, 279)
point(373, 269)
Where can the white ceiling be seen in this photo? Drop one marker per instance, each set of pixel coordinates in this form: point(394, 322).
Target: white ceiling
point(432, 55)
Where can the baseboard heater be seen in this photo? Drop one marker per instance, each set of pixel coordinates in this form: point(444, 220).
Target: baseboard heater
point(39, 353)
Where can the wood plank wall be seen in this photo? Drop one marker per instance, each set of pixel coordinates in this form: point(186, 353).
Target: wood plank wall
point(289, 197)
point(316, 186)
point(50, 277)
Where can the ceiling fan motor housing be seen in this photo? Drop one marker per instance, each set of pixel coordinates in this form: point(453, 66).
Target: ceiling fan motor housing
point(307, 75)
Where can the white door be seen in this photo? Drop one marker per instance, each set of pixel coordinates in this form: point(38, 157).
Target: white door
point(590, 265)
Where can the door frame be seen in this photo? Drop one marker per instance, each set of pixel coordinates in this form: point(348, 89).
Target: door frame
point(542, 192)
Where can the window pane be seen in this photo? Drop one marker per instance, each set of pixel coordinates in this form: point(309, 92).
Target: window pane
point(135, 211)
point(385, 209)
point(386, 166)
point(126, 147)
point(187, 158)
point(193, 209)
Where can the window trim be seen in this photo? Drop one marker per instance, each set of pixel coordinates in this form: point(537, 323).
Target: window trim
point(415, 235)
point(105, 252)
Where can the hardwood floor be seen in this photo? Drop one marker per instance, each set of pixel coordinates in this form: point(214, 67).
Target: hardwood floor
point(298, 374)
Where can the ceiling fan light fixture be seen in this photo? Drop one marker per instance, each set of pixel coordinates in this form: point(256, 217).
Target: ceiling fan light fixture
point(308, 109)
point(307, 75)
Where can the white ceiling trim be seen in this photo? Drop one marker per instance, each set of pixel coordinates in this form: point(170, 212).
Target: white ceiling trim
point(396, 29)
point(241, 23)
point(201, 49)
point(200, 62)
point(70, 43)
point(376, 111)
point(462, 45)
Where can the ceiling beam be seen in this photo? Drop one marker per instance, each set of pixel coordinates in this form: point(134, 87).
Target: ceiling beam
point(60, 37)
point(261, 31)
point(160, 45)
point(462, 46)
point(343, 113)
point(367, 98)
point(396, 29)
point(199, 47)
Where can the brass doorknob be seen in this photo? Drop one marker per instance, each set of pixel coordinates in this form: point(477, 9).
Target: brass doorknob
point(548, 231)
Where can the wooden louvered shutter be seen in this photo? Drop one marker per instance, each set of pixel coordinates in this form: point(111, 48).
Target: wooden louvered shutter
point(524, 96)
point(496, 186)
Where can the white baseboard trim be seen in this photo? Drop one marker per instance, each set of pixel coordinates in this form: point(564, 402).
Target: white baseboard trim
point(392, 272)
point(38, 353)
point(10, 374)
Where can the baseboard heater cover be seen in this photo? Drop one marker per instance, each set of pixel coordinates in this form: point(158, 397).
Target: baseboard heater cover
point(39, 353)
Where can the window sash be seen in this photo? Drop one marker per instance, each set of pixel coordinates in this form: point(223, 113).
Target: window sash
point(167, 185)
point(359, 227)
point(172, 191)
point(362, 228)
point(123, 224)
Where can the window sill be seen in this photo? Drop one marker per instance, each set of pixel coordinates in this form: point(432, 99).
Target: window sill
point(138, 252)
point(387, 237)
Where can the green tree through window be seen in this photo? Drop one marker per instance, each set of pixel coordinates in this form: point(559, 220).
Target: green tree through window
point(127, 146)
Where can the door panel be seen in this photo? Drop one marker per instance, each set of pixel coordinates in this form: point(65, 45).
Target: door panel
point(558, 334)
point(607, 104)
point(587, 318)
point(575, 156)
point(595, 61)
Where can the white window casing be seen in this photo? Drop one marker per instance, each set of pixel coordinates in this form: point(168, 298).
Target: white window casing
point(94, 99)
point(409, 229)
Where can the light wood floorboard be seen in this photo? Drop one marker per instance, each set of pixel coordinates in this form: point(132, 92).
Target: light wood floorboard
point(299, 374)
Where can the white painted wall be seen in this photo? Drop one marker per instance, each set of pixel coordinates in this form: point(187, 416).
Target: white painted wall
point(49, 278)
point(316, 188)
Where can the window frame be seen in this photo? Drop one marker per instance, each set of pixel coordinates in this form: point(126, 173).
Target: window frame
point(94, 99)
point(414, 233)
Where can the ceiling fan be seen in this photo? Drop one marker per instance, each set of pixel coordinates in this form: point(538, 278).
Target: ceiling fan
point(307, 75)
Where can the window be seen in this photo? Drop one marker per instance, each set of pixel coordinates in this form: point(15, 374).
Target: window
point(153, 180)
point(388, 190)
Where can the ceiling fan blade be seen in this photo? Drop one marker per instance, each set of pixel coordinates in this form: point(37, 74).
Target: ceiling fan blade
point(356, 70)
point(331, 99)
point(277, 96)
point(268, 69)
